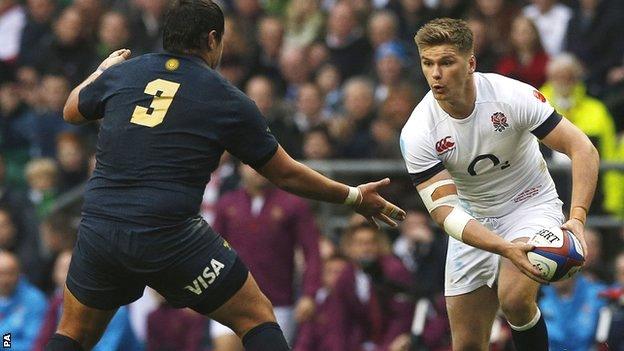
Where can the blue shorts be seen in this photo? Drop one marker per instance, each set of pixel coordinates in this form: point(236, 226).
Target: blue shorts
point(190, 266)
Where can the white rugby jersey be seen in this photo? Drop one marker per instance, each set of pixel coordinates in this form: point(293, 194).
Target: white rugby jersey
point(493, 154)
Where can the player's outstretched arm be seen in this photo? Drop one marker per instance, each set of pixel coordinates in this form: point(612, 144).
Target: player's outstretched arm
point(440, 197)
point(294, 177)
point(570, 140)
point(71, 114)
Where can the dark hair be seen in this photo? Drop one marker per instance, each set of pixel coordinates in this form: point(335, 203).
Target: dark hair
point(187, 24)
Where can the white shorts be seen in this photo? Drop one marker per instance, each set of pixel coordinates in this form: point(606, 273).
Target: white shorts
point(469, 268)
point(285, 318)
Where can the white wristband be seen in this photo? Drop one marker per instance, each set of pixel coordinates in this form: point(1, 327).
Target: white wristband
point(352, 196)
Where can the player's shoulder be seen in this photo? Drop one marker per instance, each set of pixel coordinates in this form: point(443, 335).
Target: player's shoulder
point(188, 69)
point(424, 118)
point(493, 87)
point(133, 64)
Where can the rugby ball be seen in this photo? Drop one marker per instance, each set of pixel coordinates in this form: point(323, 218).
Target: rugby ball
point(557, 254)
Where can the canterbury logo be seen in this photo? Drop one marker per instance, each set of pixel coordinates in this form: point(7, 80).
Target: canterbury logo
point(207, 277)
point(445, 145)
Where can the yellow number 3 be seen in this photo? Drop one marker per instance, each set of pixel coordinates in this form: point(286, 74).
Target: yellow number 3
point(163, 92)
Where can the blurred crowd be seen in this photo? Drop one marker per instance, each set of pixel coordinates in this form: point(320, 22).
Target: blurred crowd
point(335, 79)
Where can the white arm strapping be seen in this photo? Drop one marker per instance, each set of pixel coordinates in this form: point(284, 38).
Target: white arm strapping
point(448, 200)
point(456, 221)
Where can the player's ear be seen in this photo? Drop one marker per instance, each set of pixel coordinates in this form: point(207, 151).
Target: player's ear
point(472, 61)
point(213, 42)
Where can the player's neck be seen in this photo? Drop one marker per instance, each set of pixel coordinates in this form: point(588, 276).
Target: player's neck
point(463, 106)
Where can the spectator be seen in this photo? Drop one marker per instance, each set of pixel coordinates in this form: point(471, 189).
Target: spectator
point(385, 137)
point(267, 54)
point(91, 13)
point(225, 178)
point(618, 265)
point(248, 13)
point(12, 21)
point(413, 14)
point(353, 130)
point(38, 26)
point(551, 19)
point(391, 63)
point(497, 16)
point(118, 336)
point(304, 22)
point(72, 161)
point(42, 176)
point(147, 23)
point(138, 313)
point(593, 36)
point(113, 34)
point(423, 252)
point(309, 112)
point(265, 225)
point(23, 306)
point(52, 316)
point(317, 144)
point(527, 59)
point(383, 28)
point(56, 235)
point(595, 267)
point(312, 335)
point(20, 240)
point(170, 328)
point(8, 231)
point(260, 90)
point(349, 50)
point(45, 124)
point(234, 66)
point(14, 129)
point(27, 83)
point(364, 303)
point(318, 56)
point(615, 339)
point(566, 92)
point(67, 51)
point(436, 335)
point(327, 247)
point(22, 215)
point(295, 71)
point(483, 47)
point(570, 308)
point(399, 105)
point(328, 80)
point(452, 8)
point(614, 95)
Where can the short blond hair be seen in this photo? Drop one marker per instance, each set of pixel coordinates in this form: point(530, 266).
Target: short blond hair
point(441, 31)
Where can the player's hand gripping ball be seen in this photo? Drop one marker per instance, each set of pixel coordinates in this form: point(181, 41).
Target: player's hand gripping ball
point(557, 253)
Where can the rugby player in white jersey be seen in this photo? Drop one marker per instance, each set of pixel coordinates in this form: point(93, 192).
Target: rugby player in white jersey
point(471, 148)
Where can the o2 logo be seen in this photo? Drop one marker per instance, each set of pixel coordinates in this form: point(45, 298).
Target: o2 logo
point(486, 158)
